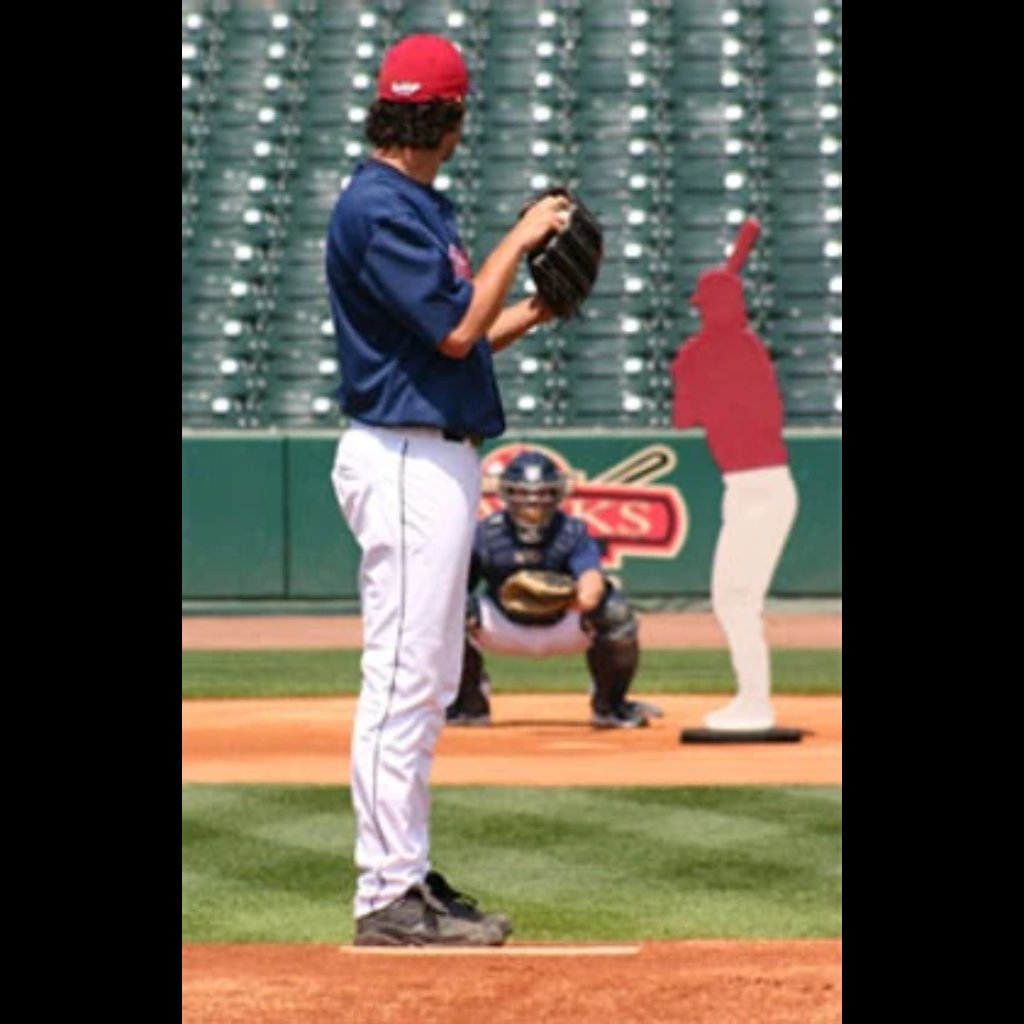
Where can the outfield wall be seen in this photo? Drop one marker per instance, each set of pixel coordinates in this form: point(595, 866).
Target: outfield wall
point(259, 521)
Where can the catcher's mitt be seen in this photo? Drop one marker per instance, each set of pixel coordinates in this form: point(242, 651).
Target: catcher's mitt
point(537, 595)
point(565, 267)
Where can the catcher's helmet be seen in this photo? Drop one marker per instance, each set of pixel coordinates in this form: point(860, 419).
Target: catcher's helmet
point(532, 487)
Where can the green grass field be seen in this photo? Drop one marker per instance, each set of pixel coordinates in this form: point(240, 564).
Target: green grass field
point(333, 673)
point(274, 864)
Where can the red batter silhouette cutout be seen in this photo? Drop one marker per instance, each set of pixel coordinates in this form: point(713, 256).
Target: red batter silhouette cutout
point(724, 382)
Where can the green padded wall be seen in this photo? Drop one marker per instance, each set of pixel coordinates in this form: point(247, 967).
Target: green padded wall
point(233, 518)
point(259, 519)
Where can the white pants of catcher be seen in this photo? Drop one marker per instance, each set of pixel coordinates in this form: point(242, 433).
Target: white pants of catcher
point(500, 635)
point(410, 498)
point(758, 510)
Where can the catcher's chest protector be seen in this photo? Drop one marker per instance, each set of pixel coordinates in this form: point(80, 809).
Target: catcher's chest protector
point(501, 553)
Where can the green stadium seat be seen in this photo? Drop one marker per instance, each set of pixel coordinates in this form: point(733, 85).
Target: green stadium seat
point(631, 21)
point(311, 214)
point(232, 254)
point(803, 143)
point(233, 113)
point(525, 18)
point(714, 15)
point(301, 325)
point(288, 342)
point(642, 374)
point(244, 20)
point(305, 364)
point(818, 401)
point(673, 118)
point(531, 80)
point(699, 49)
point(463, 23)
point(332, 145)
point(804, 209)
point(804, 77)
point(306, 249)
point(799, 43)
point(526, 405)
point(529, 376)
point(510, 145)
point(518, 179)
point(814, 335)
point(796, 365)
point(219, 324)
point(198, 20)
point(301, 283)
point(786, 109)
point(359, 20)
point(223, 403)
point(813, 243)
point(613, 406)
point(301, 404)
point(782, 15)
point(536, 119)
point(218, 363)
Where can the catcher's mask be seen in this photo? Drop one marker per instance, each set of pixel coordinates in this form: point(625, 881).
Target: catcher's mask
point(532, 487)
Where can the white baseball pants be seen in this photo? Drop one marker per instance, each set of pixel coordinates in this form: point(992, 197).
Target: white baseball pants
point(758, 510)
point(410, 498)
point(500, 635)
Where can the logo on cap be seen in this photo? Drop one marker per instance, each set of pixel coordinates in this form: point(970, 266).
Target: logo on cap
point(406, 88)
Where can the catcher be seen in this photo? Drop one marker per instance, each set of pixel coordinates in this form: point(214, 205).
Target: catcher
point(545, 594)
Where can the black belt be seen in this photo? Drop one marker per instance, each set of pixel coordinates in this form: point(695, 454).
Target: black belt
point(474, 439)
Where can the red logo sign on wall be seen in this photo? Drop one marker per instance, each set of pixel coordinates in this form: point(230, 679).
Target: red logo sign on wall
point(625, 511)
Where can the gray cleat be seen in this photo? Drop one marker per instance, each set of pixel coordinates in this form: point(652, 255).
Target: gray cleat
point(460, 905)
point(419, 918)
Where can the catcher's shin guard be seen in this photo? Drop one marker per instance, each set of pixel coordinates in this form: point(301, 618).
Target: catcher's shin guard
point(613, 665)
point(471, 705)
point(614, 656)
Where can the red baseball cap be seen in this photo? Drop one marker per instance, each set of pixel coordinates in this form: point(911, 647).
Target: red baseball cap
point(421, 68)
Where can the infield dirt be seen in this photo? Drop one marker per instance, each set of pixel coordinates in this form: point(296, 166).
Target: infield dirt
point(536, 740)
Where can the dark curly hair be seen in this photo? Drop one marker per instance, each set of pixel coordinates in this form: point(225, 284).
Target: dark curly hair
point(416, 125)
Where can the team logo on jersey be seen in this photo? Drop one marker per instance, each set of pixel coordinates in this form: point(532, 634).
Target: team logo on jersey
point(624, 508)
point(460, 263)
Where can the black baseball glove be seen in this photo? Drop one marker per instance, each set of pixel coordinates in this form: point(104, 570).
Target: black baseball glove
point(564, 268)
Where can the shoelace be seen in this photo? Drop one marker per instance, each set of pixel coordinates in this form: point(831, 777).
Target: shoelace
point(440, 888)
point(430, 899)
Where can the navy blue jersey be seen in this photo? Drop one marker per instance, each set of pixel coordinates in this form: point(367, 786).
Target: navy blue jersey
point(398, 282)
point(498, 552)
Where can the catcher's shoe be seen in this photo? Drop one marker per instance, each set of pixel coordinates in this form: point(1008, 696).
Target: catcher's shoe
point(419, 918)
point(463, 906)
point(455, 715)
point(620, 717)
point(472, 705)
point(642, 707)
